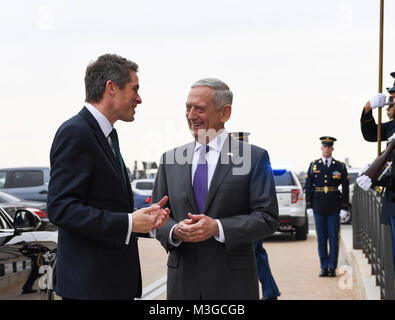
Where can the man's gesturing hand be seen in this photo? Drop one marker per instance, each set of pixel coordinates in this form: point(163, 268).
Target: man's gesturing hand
point(198, 228)
point(150, 218)
point(163, 216)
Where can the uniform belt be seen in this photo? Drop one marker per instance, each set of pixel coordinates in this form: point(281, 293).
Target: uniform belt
point(325, 189)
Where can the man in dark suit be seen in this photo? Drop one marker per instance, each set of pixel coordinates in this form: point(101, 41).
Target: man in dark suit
point(222, 198)
point(89, 194)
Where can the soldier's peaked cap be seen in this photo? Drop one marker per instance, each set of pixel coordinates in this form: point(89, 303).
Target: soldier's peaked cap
point(327, 141)
point(392, 89)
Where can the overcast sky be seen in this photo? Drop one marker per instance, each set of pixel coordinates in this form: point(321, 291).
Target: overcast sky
point(298, 70)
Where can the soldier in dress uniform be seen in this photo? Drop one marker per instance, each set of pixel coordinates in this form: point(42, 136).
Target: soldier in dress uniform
point(368, 124)
point(369, 132)
point(325, 201)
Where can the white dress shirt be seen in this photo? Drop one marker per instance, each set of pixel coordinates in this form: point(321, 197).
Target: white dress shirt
point(212, 156)
point(106, 127)
point(329, 161)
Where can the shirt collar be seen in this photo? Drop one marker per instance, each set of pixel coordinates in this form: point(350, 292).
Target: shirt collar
point(216, 144)
point(329, 159)
point(103, 122)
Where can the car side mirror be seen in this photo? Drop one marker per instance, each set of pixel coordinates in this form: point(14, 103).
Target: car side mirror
point(26, 221)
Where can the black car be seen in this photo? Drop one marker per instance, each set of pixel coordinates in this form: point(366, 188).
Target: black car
point(26, 255)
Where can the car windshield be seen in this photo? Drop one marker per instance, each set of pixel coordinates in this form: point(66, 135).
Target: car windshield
point(145, 185)
point(5, 197)
point(283, 177)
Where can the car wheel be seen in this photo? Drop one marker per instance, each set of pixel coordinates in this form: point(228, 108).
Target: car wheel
point(301, 232)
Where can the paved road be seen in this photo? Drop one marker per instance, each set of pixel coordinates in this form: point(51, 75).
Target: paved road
point(295, 267)
point(294, 264)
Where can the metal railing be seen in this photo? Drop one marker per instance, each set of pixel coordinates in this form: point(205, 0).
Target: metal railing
point(374, 238)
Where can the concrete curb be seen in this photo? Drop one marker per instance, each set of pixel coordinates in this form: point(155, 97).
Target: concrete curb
point(362, 270)
point(154, 290)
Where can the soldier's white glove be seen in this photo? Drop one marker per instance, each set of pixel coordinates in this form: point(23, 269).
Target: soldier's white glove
point(392, 138)
point(310, 212)
point(378, 100)
point(364, 182)
point(343, 213)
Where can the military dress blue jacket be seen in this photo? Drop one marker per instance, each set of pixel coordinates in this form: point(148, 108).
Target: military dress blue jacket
point(369, 132)
point(322, 192)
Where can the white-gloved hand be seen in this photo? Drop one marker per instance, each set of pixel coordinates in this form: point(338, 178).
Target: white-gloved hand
point(310, 212)
point(390, 139)
point(364, 182)
point(378, 100)
point(343, 213)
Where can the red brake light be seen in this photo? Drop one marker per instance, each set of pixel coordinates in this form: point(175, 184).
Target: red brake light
point(294, 195)
point(148, 200)
point(40, 213)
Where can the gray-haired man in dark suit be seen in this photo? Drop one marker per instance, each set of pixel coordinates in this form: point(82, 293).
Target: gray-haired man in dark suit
point(222, 197)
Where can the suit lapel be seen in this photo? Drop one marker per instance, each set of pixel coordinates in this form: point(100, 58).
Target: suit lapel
point(230, 152)
point(129, 189)
point(102, 142)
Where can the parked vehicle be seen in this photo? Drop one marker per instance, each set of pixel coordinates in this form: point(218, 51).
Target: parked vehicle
point(21, 246)
point(12, 203)
point(291, 203)
point(142, 190)
point(28, 183)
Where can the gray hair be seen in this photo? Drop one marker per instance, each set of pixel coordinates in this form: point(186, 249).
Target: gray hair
point(221, 95)
point(107, 67)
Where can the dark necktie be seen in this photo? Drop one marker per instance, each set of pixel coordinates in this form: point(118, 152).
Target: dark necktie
point(200, 180)
point(326, 163)
point(115, 145)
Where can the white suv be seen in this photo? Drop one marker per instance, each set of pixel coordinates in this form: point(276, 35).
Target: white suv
point(291, 203)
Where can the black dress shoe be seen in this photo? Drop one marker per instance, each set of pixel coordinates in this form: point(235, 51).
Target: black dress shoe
point(331, 273)
point(269, 298)
point(28, 291)
point(324, 273)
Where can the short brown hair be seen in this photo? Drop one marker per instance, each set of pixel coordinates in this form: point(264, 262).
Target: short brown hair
point(107, 67)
